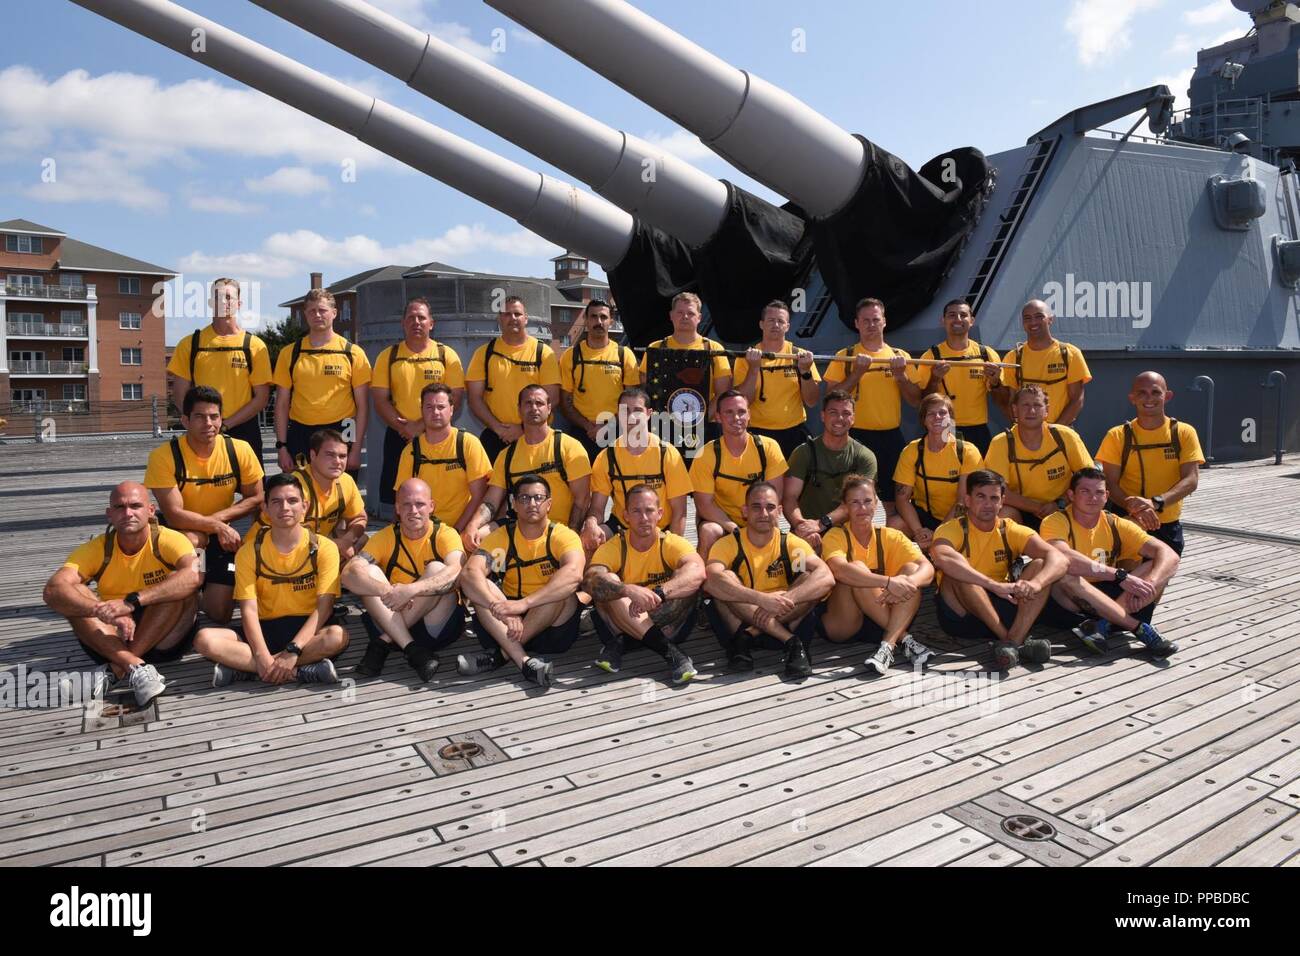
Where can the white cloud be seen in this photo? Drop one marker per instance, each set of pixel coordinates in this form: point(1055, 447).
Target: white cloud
point(240, 265)
point(102, 174)
point(411, 11)
point(292, 180)
point(681, 143)
point(1177, 83)
point(460, 36)
point(1183, 45)
point(1219, 11)
point(223, 204)
point(415, 13)
point(526, 37)
point(1101, 27)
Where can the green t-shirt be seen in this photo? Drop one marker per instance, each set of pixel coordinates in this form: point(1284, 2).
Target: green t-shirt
point(821, 489)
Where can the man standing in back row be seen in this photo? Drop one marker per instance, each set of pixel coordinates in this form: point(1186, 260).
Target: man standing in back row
point(968, 388)
point(685, 316)
point(779, 388)
point(593, 372)
point(1058, 367)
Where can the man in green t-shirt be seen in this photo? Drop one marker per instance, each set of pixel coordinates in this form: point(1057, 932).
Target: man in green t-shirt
point(811, 498)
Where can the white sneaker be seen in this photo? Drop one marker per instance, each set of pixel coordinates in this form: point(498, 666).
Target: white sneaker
point(882, 660)
point(915, 651)
point(146, 683)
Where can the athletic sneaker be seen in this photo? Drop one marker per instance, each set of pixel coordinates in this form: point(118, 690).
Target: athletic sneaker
point(683, 668)
point(915, 652)
point(1006, 656)
point(422, 660)
point(102, 682)
point(1155, 643)
point(322, 672)
point(1018, 567)
point(797, 663)
point(1092, 636)
point(538, 671)
point(1036, 650)
point(146, 683)
point(610, 658)
point(223, 676)
point(372, 661)
point(741, 658)
point(469, 664)
point(882, 660)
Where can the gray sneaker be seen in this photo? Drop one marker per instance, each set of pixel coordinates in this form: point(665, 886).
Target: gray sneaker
point(322, 672)
point(1036, 650)
point(683, 667)
point(470, 664)
point(223, 676)
point(146, 683)
point(538, 671)
point(915, 652)
point(882, 660)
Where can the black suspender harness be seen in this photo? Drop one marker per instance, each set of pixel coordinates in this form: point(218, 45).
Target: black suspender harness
point(400, 549)
point(580, 364)
point(965, 538)
point(1034, 462)
point(1112, 553)
point(300, 349)
point(985, 352)
point(815, 473)
point(880, 549)
point(630, 481)
point(717, 463)
point(418, 460)
point(850, 353)
point(793, 363)
point(1021, 381)
point(183, 479)
point(110, 542)
point(1131, 445)
point(622, 559)
point(555, 464)
point(245, 347)
point(742, 559)
point(919, 444)
point(513, 562)
point(417, 359)
point(298, 574)
point(536, 363)
point(314, 517)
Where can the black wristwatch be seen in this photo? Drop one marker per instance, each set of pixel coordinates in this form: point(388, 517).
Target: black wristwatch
point(825, 523)
point(659, 592)
point(806, 376)
point(1061, 503)
point(281, 444)
point(293, 649)
point(1159, 502)
point(1120, 575)
point(133, 599)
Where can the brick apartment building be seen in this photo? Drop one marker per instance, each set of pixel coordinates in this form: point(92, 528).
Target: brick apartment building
point(78, 340)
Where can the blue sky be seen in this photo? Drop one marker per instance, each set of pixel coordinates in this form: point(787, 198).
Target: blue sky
point(158, 157)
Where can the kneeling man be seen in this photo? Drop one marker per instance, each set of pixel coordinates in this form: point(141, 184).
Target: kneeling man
point(985, 591)
point(406, 577)
point(646, 583)
point(286, 582)
point(879, 573)
point(147, 578)
point(765, 583)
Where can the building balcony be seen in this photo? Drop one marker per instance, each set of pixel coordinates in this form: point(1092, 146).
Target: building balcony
point(50, 406)
point(61, 293)
point(46, 330)
point(43, 368)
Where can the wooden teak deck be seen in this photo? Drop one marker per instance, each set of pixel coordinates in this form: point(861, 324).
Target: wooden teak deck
point(1117, 761)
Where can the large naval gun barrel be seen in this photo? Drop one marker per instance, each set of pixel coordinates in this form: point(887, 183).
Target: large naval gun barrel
point(553, 209)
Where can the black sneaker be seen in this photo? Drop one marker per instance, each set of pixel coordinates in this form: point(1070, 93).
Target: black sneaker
point(741, 658)
point(538, 671)
point(1006, 656)
point(1155, 642)
point(610, 658)
point(469, 664)
point(683, 667)
point(1036, 650)
point(797, 663)
point(422, 660)
point(372, 661)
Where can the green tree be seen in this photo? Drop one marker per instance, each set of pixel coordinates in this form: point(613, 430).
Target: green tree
point(277, 335)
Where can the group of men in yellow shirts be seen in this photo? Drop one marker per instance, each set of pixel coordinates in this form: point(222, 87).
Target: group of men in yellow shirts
point(527, 503)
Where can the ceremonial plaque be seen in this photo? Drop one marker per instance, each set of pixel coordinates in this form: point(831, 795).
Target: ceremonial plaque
point(677, 381)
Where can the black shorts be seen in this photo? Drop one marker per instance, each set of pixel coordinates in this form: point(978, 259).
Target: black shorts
point(788, 438)
point(606, 634)
point(218, 564)
point(156, 655)
point(727, 636)
point(614, 525)
point(887, 445)
point(394, 444)
point(554, 640)
point(279, 631)
point(449, 634)
point(492, 446)
point(927, 520)
point(971, 628)
point(1030, 521)
point(251, 432)
point(1059, 616)
point(297, 438)
point(1170, 533)
point(869, 633)
point(977, 435)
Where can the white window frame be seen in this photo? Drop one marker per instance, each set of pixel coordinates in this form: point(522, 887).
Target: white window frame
point(131, 283)
point(136, 390)
point(124, 320)
point(77, 390)
point(35, 244)
point(129, 352)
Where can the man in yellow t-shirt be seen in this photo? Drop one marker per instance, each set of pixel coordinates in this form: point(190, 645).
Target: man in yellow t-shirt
point(194, 478)
point(1036, 458)
point(406, 578)
point(968, 387)
point(879, 381)
point(930, 478)
point(593, 371)
point(540, 451)
point(1058, 367)
point(451, 460)
point(686, 312)
point(523, 580)
point(778, 388)
point(144, 612)
point(727, 466)
point(1152, 462)
point(878, 574)
point(286, 582)
point(645, 583)
point(985, 592)
point(1117, 571)
point(765, 583)
point(334, 506)
point(636, 458)
point(500, 369)
point(234, 362)
point(321, 381)
point(402, 372)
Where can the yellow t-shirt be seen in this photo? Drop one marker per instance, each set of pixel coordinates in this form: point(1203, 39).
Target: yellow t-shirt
point(600, 376)
point(405, 374)
point(512, 367)
point(765, 562)
point(1155, 467)
point(934, 478)
point(295, 597)
point(323, 380)
point(987, 550)
point(325, 508)
point(646, 568)
point(209, 484)
point(222, 364)
point(721, 367)
point(1048, 368)
point(778, 403)
point(532, 563)
point(412, 555)
point(129, 572)
point(729, 479)
point(1042, 475)
point(968, 388)
point(878, 401)
point(1099, 542)
point(445, 475)
point(660, 466)
point(540, 459)
point(896, 548)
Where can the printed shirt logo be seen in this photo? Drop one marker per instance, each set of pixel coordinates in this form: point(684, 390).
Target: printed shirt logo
point(153, 577)
point(776, 570)
point(1169, 455)
point(1000, 556)
point(1054, 473)
point(330, 368)
point(307, 584)
point(1055, 367)
point(237, 360)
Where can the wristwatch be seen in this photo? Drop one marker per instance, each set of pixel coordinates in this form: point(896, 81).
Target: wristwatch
point(658, 590)
point(1159, 502)
point(1120, 575)
point(1061, 503)
point(281, 444)
point(293, 649)
point(133, 599)
point(825, 523)
point(806, 376)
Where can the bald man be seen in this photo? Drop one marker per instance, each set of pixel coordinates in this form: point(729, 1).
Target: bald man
point(1058, 367)
point(147, 579)
point(1152, 462)
point(406, 577)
